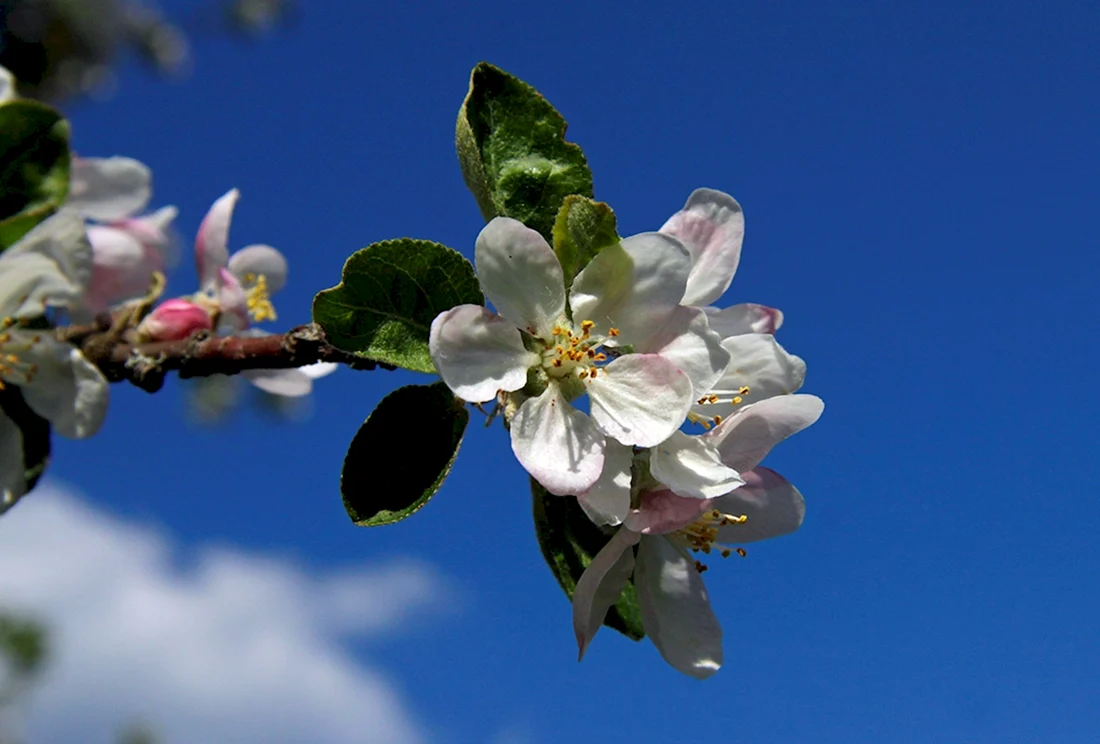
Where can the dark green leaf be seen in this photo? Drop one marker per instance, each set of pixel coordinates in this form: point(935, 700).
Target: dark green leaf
point(569, 541)
point(36, 438)
point(582, 229)
point(34, 166)
point(388, 297)
point(512, 150)
point(402, 454)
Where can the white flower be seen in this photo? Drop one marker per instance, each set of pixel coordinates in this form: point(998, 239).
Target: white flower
point(127, 249)
point(625, 300)
point(668, 529)
point(47, 269)
point(241, 285)
point(712, 226)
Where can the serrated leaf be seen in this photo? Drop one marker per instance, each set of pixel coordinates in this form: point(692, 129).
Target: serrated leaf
point(512, 150)
point(402, 454)
point(35, 432)
point(569, 541)
point(34, 166)
point(389, 294)
point(583, 228)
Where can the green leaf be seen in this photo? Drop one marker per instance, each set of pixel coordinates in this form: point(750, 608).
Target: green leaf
point(583, 228)
point(388, 297)
point(36, 438)
point(23, 642)
point(569, 541)
point(512, 150)
point(34, 167)
point(402, 454)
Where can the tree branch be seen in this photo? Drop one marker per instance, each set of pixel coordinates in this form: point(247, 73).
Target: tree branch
point(146, 365)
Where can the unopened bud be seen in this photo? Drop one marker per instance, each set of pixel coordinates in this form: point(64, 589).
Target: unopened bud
point(174, 320)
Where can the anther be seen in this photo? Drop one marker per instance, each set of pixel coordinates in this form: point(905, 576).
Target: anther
point(612, 332)
point(741, 552)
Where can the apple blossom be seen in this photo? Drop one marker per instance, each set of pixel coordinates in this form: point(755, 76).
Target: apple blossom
point(712, 227)
point(668, 529)
point(556, 348)
point(47, 269)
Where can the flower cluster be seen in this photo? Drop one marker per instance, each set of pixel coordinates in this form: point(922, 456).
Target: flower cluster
point(684, 401)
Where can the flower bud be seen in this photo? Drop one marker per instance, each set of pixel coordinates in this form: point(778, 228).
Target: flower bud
point(174, 320)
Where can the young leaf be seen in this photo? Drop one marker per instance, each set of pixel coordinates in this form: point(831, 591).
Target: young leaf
point(34, 166)
point(569, 541)
point(512, 150)
point(402, 454)
point(389, 295)
point(583, 228)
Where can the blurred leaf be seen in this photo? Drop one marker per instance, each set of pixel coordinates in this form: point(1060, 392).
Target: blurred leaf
point(23, 644)
point(34, 167)
point(569, 541)
point(388, 297)
point(512, 150)
point(402, 454)
point(583, 228)
point(36, 439)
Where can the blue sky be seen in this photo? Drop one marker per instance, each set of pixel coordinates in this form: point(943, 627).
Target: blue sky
point(919, 183)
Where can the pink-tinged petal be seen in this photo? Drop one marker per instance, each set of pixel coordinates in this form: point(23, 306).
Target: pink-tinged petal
point(108, 189)
point(478, 353)
point(288, 383)
point(711, 225)
point(173, 320)
point(254, 261)
point(744, 439)
point(675, 607)
point(747, 317)
point(632, 286)
point(608, 501)
point(520, 275)
point(557, 444)
point(600, 586)
point(122, 267)
point(686, 340)
point(640, 399)
point(212, 242)
point(759, 368)
point(661, 512)
point(233, 301)
point(773, 506)
point(691, 467)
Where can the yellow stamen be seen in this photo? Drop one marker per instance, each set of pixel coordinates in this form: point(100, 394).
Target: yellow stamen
point(259, 299)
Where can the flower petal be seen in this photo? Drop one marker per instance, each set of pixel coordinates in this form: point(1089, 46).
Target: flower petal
point(67, 389)
point(759, 363)
point(711, 225)
point(477, 353)
point(744, 439)
point(600, 586)
point(122, 267)
point(289, 383)
point(661, 512)
point(259, 260)
point(686, 340)
point(108, 189)
point(520, 275)
point(30, 283)
point(747, 317)
point(7, 86)
point(557, 444)
point(690, 466)
point(773, 506)
point(640, 399)
point(12, 483)
point(212, 241)
point(233, 302)
point(61, 239)
point(318, 370)
point(676, 612)
point(608, 501)
point(632, 286)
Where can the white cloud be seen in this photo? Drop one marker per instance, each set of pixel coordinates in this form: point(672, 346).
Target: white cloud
point(233, 647)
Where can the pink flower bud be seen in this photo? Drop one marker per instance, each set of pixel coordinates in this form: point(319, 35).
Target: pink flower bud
point(174, 320)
